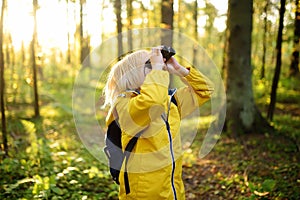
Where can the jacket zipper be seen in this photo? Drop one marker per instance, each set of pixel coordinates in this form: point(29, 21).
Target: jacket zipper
point(166, 120)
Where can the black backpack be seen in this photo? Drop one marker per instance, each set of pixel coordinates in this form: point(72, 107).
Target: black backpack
point(114, 152)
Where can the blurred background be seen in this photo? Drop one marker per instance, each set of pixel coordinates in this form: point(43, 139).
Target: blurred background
point(254, 45)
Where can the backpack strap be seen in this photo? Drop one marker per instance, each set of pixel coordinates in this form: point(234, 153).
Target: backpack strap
point(127, 152)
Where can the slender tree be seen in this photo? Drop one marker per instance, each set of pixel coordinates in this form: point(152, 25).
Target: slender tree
point(179, 15)
point(278, 61)
point(2, 82)
point(81, 41)
point(224, 57)
point(68, 34)
point(81, 38)
point(262, 72)
point(33, 59)
point(118, 10)
point(294, 67)
point(167, 18)
point(129, 24)
point(195, 17)
point(84, 37)
point(242, 113)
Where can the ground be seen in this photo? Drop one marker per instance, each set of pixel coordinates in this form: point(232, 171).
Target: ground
point(264, 167)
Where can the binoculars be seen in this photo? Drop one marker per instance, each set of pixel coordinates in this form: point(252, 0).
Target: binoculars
point(167, 52)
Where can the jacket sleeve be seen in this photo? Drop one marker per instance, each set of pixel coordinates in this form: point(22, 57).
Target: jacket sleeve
point(198, 90)
point(135, 113)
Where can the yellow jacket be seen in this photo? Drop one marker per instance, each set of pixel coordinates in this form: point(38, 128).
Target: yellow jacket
point(151, 171)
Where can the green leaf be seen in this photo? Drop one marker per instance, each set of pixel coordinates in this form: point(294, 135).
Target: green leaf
point(57, 190)
point(29, 126)
point(268, 185)
point(252, 187)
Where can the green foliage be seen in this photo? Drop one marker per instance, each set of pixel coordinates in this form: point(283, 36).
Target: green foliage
point(46, 159)
point(51, 168)
point(262, 189)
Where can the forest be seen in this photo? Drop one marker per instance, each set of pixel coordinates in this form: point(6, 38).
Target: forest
point(54, 60)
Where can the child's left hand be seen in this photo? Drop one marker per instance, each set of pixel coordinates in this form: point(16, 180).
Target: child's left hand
point(173, 67)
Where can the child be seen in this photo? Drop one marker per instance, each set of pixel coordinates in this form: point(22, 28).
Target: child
point(140, 101)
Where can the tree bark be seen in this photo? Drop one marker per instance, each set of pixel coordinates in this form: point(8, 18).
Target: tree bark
point(294, 67)
point(118, 9)
point(262, 72)
point(224, 56)
point(2, 83)
point(129, 27)
point(81, 31)
point(167, 18)
point(242, 113)
point(278, 62)
point(68, 61)
point(195, 17)
point(84, 38)
point(34, 66)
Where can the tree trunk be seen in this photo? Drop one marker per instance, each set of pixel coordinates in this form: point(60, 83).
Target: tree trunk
point(262, 72)
point(195, 17)
point(278, 61)
point(34, 66)
point(294, 67)
point(68, 61)
point(179, 16)
point(81, 39)
point(119, 26)
point(224, 56)
point(84, 38)
point(69, 49)
point(167, 17)
point(2, 83)
point(242, 114)
point(129, 27)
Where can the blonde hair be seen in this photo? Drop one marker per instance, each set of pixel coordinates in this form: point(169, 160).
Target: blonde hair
point(124, 75)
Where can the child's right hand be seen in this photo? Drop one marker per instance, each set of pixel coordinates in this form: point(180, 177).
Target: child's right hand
point(156, 59)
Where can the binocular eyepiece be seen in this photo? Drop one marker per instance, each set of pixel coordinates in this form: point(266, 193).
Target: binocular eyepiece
point(167, 52)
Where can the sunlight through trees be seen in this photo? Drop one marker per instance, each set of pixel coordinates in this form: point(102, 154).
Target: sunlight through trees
point(45, 44)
